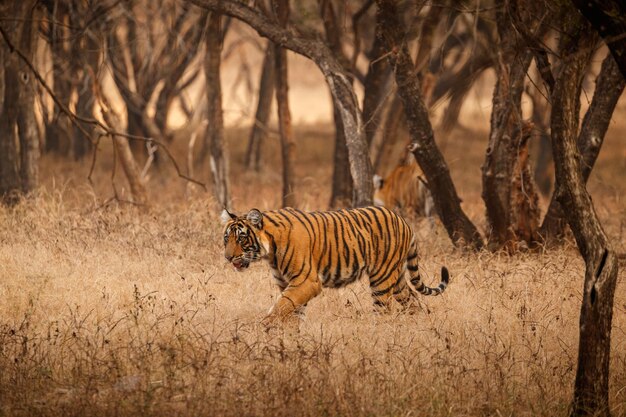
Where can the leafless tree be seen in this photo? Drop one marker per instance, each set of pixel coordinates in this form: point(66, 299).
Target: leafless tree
point(19, 139)
point(609, 87)
point(214, 137)
point(161, 40)
point(123, 152)
point(338, 81)
point(592, 375)
point(508, 186)
point(460, 229)
point(287, 143)
point(259, 129)
point(341, 191)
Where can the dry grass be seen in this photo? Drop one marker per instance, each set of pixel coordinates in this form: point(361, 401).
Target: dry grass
point(111, 311)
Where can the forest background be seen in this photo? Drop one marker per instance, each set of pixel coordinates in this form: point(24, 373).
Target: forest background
point(126, 126)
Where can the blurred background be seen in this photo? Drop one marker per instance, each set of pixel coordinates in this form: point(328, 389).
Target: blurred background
point(140, 102)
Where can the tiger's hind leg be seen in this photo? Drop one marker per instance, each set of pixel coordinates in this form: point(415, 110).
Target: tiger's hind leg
point(389, 287)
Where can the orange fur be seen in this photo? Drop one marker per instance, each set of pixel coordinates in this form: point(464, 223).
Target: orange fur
point(404, 190)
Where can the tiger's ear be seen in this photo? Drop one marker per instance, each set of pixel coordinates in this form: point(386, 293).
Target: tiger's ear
point(226, 216)
point(378, 181)
point(255, 217)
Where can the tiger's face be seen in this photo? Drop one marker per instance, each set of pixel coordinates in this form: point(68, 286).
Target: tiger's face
point(241, 239)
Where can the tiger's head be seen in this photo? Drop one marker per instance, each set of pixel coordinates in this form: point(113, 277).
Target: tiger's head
point(242, 243)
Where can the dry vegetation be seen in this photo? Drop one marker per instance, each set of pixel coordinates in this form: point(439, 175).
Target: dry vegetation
point(107, 310)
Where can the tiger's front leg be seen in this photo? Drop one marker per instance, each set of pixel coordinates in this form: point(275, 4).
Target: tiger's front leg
point(297, 293)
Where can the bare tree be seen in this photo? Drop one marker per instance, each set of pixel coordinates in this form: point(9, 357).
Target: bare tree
point(264, 105)
point(592, 375)
point(375, 86)
point(336, 78)
point(287, 144)
point(508, 187)
point(609, 87)
point(341, 192)
point(460, 229)
point(19, 139)
point(125, 155)
point(544, 168)
point(59, 134)
point(148, 66)
point(214, 138)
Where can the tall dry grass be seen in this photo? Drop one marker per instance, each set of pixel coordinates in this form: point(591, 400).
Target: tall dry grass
point(110, 310)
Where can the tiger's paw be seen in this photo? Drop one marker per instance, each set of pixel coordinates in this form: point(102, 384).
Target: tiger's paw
point(268, 322)
point(290, 323)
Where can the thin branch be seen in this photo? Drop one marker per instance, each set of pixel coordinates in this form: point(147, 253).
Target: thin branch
point(355, 30)
point(74, 118)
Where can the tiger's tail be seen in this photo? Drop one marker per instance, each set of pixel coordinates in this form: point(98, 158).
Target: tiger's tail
point(415, 280)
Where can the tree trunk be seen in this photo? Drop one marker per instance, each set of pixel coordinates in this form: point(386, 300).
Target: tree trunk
point(127, 159)
point(460, 229)
point(19, 155)
point(10, 182)
point(395, 128)
point(84, 108)
point(59, 133)
point(261, 118)
point(394, 131)
point(27, 124)
point(135, 126)
point(90, 54)
point(218, 160)
point(592, 375)
point(287, 144)
point(339, 82)
point(609, 87)
point(374, 88)
point(341, 193)
point(510, 197)
point(544, 168)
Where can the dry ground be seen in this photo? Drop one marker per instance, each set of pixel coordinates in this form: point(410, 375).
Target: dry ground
point(107, 310)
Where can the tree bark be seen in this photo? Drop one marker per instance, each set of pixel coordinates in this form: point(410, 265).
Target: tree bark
point(508, 191)
point(460, 229)
point(19, 140)
point(218, 160)
point(59, 133)
point(336, 78)
point(89, 51)
point(374, 88)
point(394, 130)
point(10, 183)
point(341, 192)
point(287, 144)
point(609, 87)
point(127, 159)
point(544, 168)
point(592, 375)
point(261, 118)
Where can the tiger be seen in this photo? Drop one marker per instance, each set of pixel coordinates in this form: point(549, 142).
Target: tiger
point(404, 190)
point(310, 250)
